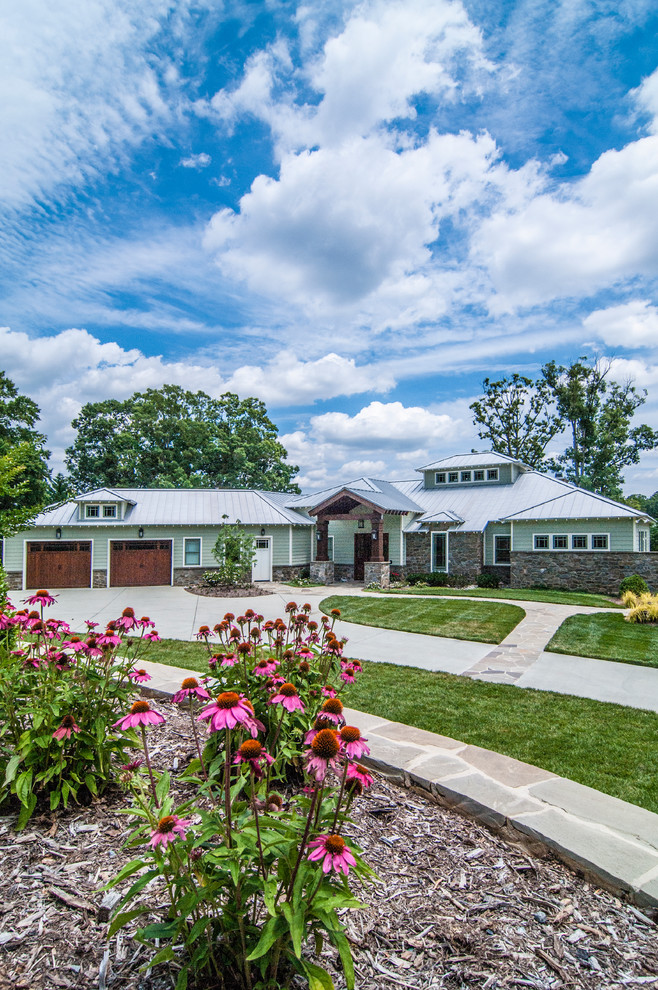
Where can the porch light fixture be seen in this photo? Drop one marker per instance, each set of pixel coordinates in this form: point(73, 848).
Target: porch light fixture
point(140, 532)
point(58, 533)
point(262, 532)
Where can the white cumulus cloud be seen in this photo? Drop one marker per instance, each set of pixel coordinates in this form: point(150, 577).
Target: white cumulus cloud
point(630, 325)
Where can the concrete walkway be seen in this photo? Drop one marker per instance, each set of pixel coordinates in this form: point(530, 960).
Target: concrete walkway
point(520, 659)
point(611, 841)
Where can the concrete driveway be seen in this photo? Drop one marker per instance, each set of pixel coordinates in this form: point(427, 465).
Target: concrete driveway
point(520, 659)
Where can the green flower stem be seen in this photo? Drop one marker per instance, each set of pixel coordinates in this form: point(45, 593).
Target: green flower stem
point(227, 787)
point(196, 739)
point(148, 764)
point(302, 846)
point(340, 796)
point(258, 839)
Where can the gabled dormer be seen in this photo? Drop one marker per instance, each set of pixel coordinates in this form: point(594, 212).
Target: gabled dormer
point(475, 470)
point(102, 505)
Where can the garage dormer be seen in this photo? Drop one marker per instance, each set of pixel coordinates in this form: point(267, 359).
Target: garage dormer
point(472, 470)
point(102, 505)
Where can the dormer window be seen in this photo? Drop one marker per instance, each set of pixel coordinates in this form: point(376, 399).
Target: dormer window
point(453, 476)
point(440, 478)
point(109, 512)
point(478, 476)
point(92, 511)
point(492, 474)
point(466, 475)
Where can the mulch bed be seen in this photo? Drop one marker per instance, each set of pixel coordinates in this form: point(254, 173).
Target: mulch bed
point(455, 906)
point(206, 591)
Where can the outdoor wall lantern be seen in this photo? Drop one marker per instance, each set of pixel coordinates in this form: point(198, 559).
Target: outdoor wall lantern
point(360, 524)
point(140, 532)
point(374, 536)
point(262, 532)
point(58, 533)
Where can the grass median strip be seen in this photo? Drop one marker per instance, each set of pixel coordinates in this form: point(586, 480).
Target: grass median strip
point(609, 747)
point(607, 637)
point(514, 595)
point(480, 622)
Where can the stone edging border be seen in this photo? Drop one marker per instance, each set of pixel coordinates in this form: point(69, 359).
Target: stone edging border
point(610, 841)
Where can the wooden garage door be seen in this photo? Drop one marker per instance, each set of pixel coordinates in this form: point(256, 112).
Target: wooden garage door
point(60, 564)
point(139, 563)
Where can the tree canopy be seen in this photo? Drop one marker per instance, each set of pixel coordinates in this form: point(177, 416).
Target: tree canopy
point(170, 437)
point(521, 417)
point(23, 459)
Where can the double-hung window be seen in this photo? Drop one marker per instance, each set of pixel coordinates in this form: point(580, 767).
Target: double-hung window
point(92, 511)
point(492, 474)
point(192, 552)
point(600, 541)
point(560, 542)
point(579, 541)
point(541, 542)
point(502, 547)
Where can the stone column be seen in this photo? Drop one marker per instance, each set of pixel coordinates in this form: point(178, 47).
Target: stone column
point(377, 572)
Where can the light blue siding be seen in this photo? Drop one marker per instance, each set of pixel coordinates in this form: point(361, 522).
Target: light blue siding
point(621, 532)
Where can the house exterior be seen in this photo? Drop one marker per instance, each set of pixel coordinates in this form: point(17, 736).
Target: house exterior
point(129, 537)
point(480, 512)
point(464, 514)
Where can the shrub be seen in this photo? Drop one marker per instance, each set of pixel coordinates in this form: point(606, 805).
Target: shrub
point(213, 578)
point(249, 879)
point(634, 583)
point(234, 551)
point(487, 580)
point(643, 608)
point(59, 695)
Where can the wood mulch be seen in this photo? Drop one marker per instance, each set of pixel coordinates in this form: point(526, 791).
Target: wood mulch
point(206, 591)
point(455, 907)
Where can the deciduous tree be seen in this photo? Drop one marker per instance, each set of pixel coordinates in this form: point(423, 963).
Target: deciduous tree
point(517, 416)
point(170, 437)
point(23, 459)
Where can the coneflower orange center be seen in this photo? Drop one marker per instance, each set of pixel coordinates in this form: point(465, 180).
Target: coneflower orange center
point(41, 592)
point(140, 706)
point(190, 682)
point(322, 723)
point(304, 667)
point(227, 699)
point(349, 733)
point(333, 705)
point(334, 844)
point(251, 749)
point(275, 799)
point(325, 744)
point(68, 721)
point(262, 664)
point(128, 613)
point(288, 690)
point(166, 824)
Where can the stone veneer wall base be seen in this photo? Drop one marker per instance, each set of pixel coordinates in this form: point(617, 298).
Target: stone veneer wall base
point(322, 571)
point(600, 572)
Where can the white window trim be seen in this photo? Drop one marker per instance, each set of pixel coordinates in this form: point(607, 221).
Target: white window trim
point(116, 512)
point(88, 506)
point(454, 481)
point(479, 481)
point(560, 536)
point(437, 474)
point(200, 539)
point(434, 569)
point(569, 548)
point(491, 471)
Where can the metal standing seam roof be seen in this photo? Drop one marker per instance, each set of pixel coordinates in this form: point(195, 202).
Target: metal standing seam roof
point(577, 504)
point(475, 460)
point(182, 507)
point(384, 494)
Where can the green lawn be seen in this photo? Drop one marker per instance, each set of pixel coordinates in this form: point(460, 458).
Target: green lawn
point(609, 747)
point(607, 637)
point(515, 595)
point(481, 622)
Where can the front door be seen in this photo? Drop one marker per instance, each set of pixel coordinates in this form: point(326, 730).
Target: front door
point(363, 548)
point(262, 567)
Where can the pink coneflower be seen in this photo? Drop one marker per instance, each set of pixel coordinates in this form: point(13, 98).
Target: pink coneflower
point(140, 713)
point(305, 654)
point(322, 754)
point(204, 632)
point(227, 711)
point(355, 771)
point(67, 727)
point(333, 852)
point(266, 667)
point(74, 643)
point(332, 709)
point(140, 676)
point(41, 598)
point(329, 692)
point(347, 675)
point(288, 697)
point(132, 766)
point(91, 647)
point(243, 649)
point(108, 638)
point(319, 724)
point(190, 688)
point(229, 660)
point(168, 828)
point(91, 625)
point(291, 607)
point(229, 617)
point(152, 636)
point(127, 620)
point(255, 755)
point(354, 744)
point(146, 623)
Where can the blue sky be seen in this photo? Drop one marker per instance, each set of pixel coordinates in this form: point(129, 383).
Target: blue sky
point(352, 211)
